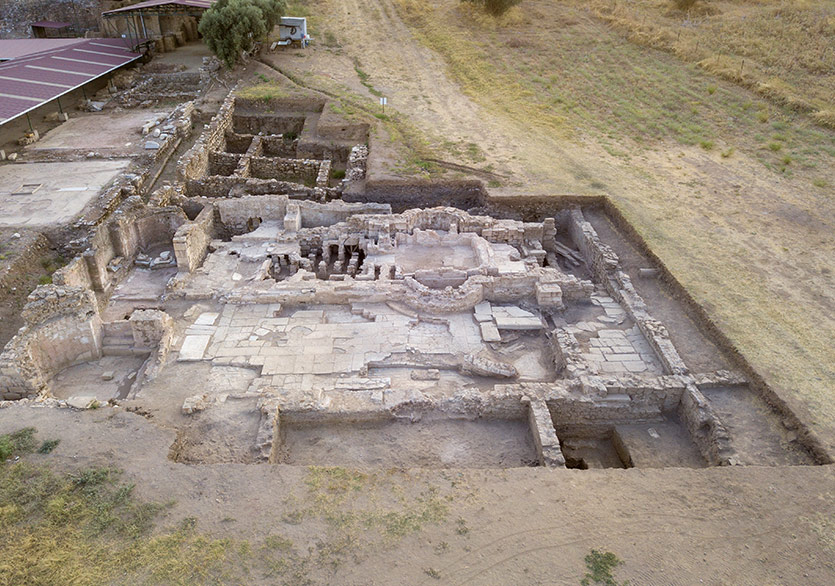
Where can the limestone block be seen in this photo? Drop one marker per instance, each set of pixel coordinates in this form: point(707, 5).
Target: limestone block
point(489, 332)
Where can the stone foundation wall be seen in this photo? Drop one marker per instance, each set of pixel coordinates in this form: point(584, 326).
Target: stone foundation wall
point(402, 195)
point(221, 163)
point(191, 240)
point(195, 163)
point(114, 245)
point(304, 171)
point(606, 267)
point(62, 328)
point(253, 123)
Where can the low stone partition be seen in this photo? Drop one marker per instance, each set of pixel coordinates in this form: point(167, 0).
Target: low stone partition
point(544, 435)
point(152, 330)
point(304, 171)
point(706, 429)
point(605, 265)
point(62, 328)
point(191, 240)
point(195, 163)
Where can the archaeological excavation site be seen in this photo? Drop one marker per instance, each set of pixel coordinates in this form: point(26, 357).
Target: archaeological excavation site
point(275, 305)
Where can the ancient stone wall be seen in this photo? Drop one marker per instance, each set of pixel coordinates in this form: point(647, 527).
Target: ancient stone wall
point(62, 328)
point(191, 240)
point(195, 163)
point(403, 195)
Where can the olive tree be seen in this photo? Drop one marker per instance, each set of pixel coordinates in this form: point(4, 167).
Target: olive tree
point(231, 27)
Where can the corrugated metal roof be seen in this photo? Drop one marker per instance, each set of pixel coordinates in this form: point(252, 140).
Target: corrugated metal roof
point(205, 4)
point(15, 48)
point(30, 81)
point(51, 24)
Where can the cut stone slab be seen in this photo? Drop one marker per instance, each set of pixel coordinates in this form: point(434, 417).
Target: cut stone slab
point(193, 348)
point(81, 402)
point(518, 323)
point(206, 319)
point(490, 333)
point(514, 311)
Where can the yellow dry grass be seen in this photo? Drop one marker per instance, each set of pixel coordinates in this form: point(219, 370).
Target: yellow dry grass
point(781, 49)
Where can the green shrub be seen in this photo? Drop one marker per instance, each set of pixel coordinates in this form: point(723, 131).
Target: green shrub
point(495, 7)
point(231, 27)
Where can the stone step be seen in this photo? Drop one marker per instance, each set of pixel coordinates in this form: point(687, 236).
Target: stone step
point(121, 350)
point(117, 328)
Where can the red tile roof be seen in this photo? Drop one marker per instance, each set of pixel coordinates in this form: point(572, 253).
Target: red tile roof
point(40, 76)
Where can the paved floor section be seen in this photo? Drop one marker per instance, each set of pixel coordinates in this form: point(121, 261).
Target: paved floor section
point(40, 194)
point(100, 131)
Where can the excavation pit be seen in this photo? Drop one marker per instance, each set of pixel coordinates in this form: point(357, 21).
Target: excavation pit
point(431, 443)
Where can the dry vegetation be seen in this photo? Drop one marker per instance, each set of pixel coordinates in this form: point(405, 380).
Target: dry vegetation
point(784, 51)
point(87, 527)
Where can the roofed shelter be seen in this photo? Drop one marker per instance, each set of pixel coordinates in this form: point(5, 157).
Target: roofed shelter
point(170, 23)
point(48, 29)
point(41, 71)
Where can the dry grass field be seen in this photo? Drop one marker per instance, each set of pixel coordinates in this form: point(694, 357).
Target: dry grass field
point(733, 187)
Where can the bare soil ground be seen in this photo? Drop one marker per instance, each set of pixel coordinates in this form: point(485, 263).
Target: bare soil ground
point(532, 526)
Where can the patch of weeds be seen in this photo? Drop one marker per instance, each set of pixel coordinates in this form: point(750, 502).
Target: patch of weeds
point(600, 566)
point(494, 183)
point(330, 40)
point(338, 173)
point(442, 547)
point(711, 89)
point(818, 182)
point(364, 77)
point(94, 405)
point(727, 153)
point(45, 280)
point(762, 116)
point(461, 527)
point(265, 91)
point(432, 573)
point(276, 542)
point(17, 443)
point(706, 144)
point(786, 160)
point(48, 445)
point(774, 146)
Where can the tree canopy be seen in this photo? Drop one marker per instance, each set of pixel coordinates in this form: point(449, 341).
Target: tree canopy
point(231, 27)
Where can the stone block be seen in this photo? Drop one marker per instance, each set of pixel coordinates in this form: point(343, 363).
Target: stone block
point(518, 323)
point(489, 332)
